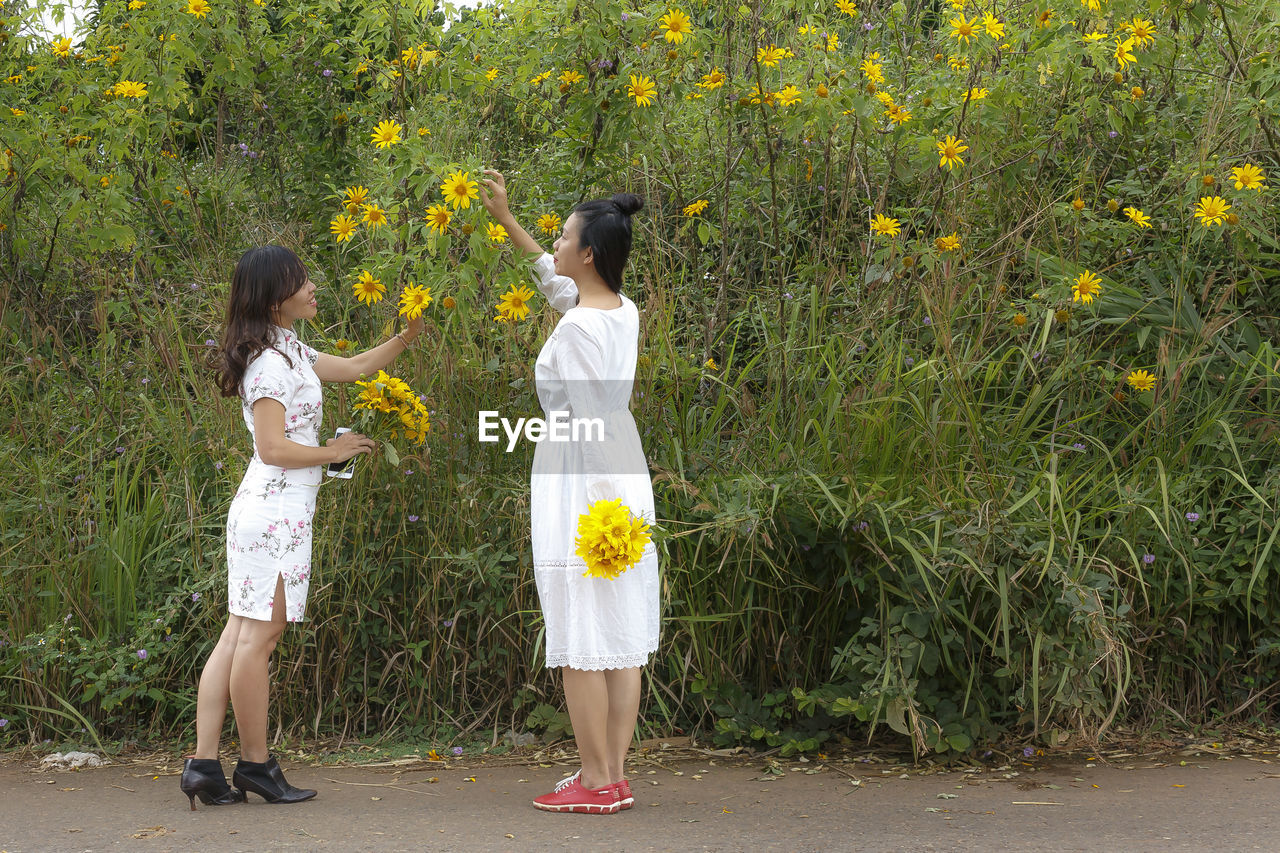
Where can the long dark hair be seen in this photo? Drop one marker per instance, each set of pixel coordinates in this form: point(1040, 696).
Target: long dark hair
point(605, 228)
point(264, 277)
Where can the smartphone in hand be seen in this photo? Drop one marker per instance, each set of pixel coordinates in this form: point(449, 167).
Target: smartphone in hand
point(345, 470)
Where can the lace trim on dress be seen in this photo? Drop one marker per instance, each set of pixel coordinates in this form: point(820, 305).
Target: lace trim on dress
point(607, 662)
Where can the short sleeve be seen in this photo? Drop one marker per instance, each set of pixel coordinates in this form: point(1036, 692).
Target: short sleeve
point(308, 353)
point(559, 290)
point(268, 376)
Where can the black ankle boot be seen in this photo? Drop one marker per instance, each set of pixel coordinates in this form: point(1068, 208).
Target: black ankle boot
point(203, 778)
point(267, 780)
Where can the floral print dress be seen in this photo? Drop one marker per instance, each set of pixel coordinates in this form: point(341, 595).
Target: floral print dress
point(269, 524)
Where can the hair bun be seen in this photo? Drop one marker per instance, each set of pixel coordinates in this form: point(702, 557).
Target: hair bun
point(628, 203)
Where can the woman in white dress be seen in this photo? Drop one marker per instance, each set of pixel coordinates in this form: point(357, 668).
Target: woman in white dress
point(277, 378)
point(600, 631)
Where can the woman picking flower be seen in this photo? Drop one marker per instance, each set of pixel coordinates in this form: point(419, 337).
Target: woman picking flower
point(601, 631)
point(277, 378)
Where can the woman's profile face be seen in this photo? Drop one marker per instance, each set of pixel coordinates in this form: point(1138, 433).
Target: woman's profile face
point(570, 260)
point(300, 306)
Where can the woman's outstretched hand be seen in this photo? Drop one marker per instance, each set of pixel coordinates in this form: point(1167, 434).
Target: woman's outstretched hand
point(350, 444)
point(494, 196)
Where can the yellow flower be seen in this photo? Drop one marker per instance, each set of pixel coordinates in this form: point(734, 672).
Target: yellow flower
point(438, 217)
point(1086, 288)
point(872, 71)
point(135, 5)
point(898, 114)
point(1078, 203)
point(514, 304)
point(1089, 38)
point(458, 189)
point(355, 198)
point(976, 94)
point(199, 8)
point(413, 300)
point(641, 90)
point(610, 539)
point(1212, 210)
point(449, 302)
point(789, 95)
point(677, 26)
point(770, 55)
point(949, 243)
point(1092, 5)
point(1248, 177)
point(549, 223)
point(713, 80)
point(1136, 93)
point(848, 7)
point(130, 89)
point(342, 344)
point(17, 112)
point(539, 79)
point(884, 226)
point(951, 149)
point(491, 74)
point(833, 43)
point(1144, 32)
point(961, 29)
point(61, 47)
point(1019, 319)
point(343, 227)
point(710, 364)
point(695, 208)
point(993, 26)
point(374, 216)
point(1138, 217)
point(496, 233)
point(1043, 19)
point(570, 77)
point(17, 78)
point(821, 91)
point(1140, 380)
point(386, 134)
point(368, 289)
point(1124, 53)
point(957, 63)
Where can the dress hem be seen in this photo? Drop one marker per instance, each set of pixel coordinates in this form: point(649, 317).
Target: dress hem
point(601, 663)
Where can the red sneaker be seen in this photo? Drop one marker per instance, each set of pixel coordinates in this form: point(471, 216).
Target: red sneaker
point(625, 800)
point(571, 796)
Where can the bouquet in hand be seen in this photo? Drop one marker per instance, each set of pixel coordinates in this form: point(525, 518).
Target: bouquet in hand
point(387, 409)
point(610, 539)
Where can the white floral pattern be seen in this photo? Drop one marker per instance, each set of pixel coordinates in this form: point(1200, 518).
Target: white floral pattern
point(269, 523)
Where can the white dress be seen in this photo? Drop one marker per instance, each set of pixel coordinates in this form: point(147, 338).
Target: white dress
point(586, 368)
point(269, 523)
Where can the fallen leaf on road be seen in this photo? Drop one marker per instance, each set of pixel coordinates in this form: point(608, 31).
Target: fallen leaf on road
point(150, 832)
point(1179, 786)
point(948, 796)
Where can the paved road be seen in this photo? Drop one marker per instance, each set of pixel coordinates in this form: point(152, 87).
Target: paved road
point(1151, 803)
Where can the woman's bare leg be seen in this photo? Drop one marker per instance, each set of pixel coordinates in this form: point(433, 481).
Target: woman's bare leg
point(587, 695)
point(215, 691)
point(623, 686)
point(250, 686)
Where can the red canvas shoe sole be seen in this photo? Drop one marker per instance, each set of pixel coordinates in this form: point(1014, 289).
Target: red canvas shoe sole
point(579, 808)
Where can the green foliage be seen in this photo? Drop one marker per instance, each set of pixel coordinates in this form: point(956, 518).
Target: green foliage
point(904, 484)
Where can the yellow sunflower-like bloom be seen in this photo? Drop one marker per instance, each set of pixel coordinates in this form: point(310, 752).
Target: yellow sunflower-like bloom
point(712, 80)
point(770, 55)
point(514, 304)
point(1124, 53)
point(368, 289)
point(1248, 177)
point(1086, 288)
point(568, 78)
point(413, 300)
point(641, 90)
point(963, 30)
point(386, 134)
point(61, 47)
point(1144, 32)
point(438, 217)
point(130, 89)
point(199, 8)
point(1140, 380)
point(885, 226)
point(549, 223)
point(950, 149)
point(374, 216)
point(458, 190)
point(495, 232)
point(677, 26)
point(1212, 210)
point(1138, 217)
point(354, 198)
point(949, 243)
point(342, 227)
point(610, 539)
point(789, 95)
point(695, 208)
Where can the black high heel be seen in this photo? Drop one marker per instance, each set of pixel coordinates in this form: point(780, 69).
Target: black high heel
point(267, 781)
point(203, 778)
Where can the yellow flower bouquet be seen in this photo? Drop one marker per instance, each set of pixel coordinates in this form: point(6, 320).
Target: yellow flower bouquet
point(610, 539)
point(387, 409)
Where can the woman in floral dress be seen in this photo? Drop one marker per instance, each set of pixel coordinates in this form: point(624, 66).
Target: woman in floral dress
point(277, 378)
point(600, 631)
